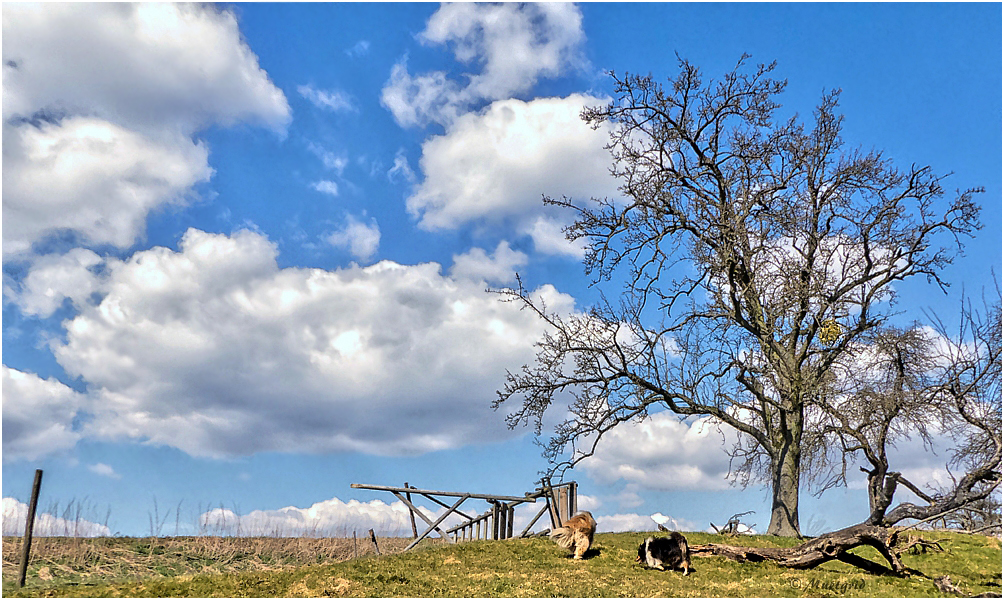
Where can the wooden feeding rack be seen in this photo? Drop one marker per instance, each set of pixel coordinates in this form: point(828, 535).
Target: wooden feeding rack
point(496, 523)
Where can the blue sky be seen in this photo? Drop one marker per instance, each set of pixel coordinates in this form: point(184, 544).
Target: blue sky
point(246, 247)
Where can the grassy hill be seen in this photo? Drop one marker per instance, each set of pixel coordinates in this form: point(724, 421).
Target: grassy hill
point(515, 568)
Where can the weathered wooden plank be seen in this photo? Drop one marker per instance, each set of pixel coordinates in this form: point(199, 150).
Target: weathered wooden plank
point(436, 524)
point(563, 504)
point(414, 528)
point(445, 505)
point(386, 488)
point(534, 520)
point(423, 517)
point(553, 512)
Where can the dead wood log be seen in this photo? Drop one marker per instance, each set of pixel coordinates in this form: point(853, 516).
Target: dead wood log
point(821, 549)
point(945, 586)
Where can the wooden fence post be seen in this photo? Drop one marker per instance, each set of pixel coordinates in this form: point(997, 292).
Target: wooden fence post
point(551, 504)
point(29, 526)
point(373, 539)
point(411, 513)
point(563, 504)
point(504, 520)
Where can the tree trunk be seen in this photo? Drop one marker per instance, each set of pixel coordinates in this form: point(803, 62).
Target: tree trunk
point(827, 547)
point(786, 472)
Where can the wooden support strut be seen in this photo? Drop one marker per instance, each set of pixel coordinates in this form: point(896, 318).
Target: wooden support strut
point(445, 505)
point(414, 528)
point(436, 524)
point(423, 517)
point(534, 520)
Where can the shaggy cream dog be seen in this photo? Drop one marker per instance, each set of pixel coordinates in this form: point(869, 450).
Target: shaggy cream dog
point(576, 534)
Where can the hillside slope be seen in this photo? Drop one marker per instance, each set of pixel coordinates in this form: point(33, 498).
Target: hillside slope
point(538, 568)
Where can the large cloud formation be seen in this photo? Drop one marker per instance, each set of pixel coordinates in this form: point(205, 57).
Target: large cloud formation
point(493, 166)
point(100, 103)
point(38, 415)
point(15, 513)
point(338, 518)
point(513, 45)
point(664, 453)
point(217, 351)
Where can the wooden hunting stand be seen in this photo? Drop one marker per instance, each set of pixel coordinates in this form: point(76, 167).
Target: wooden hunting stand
point(496, 523)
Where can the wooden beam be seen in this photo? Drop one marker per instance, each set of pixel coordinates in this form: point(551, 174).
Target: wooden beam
point(436, 525)
point(413, 490)
point(562, 502)
point(414, 528)
point(445, 505)
point(534, 520)
point(423, 517)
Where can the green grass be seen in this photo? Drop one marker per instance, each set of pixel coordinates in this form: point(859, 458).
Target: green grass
point(538, 568)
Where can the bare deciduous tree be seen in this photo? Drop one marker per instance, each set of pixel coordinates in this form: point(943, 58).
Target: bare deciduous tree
point(921, 383)
point(926, 382)
point(756, 253)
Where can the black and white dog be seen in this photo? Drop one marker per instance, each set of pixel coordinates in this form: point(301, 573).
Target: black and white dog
point(660, 553)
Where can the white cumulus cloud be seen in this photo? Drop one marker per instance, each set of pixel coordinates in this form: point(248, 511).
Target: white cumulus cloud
point(38, 415)
point(54, 278)
point(142, 66)
point(104, 470)
point(15, 513)
point(624, 522)
point(510, 45)
point(663, 453)
point(360, 239)
point(92, 177)
point(496, 165)
point(100, 103)
point(500, 267)
point(340, 518)
point(330, 517)
point(217, 351)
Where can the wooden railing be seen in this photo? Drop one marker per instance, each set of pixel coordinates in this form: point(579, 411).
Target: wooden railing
point(496, 523)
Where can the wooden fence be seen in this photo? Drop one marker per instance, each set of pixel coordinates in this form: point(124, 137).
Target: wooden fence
point(496, 523)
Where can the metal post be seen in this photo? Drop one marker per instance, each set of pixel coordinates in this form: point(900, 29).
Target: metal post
point(29, 526)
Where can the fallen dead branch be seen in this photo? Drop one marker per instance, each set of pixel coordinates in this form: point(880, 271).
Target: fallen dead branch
point(822, 549)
